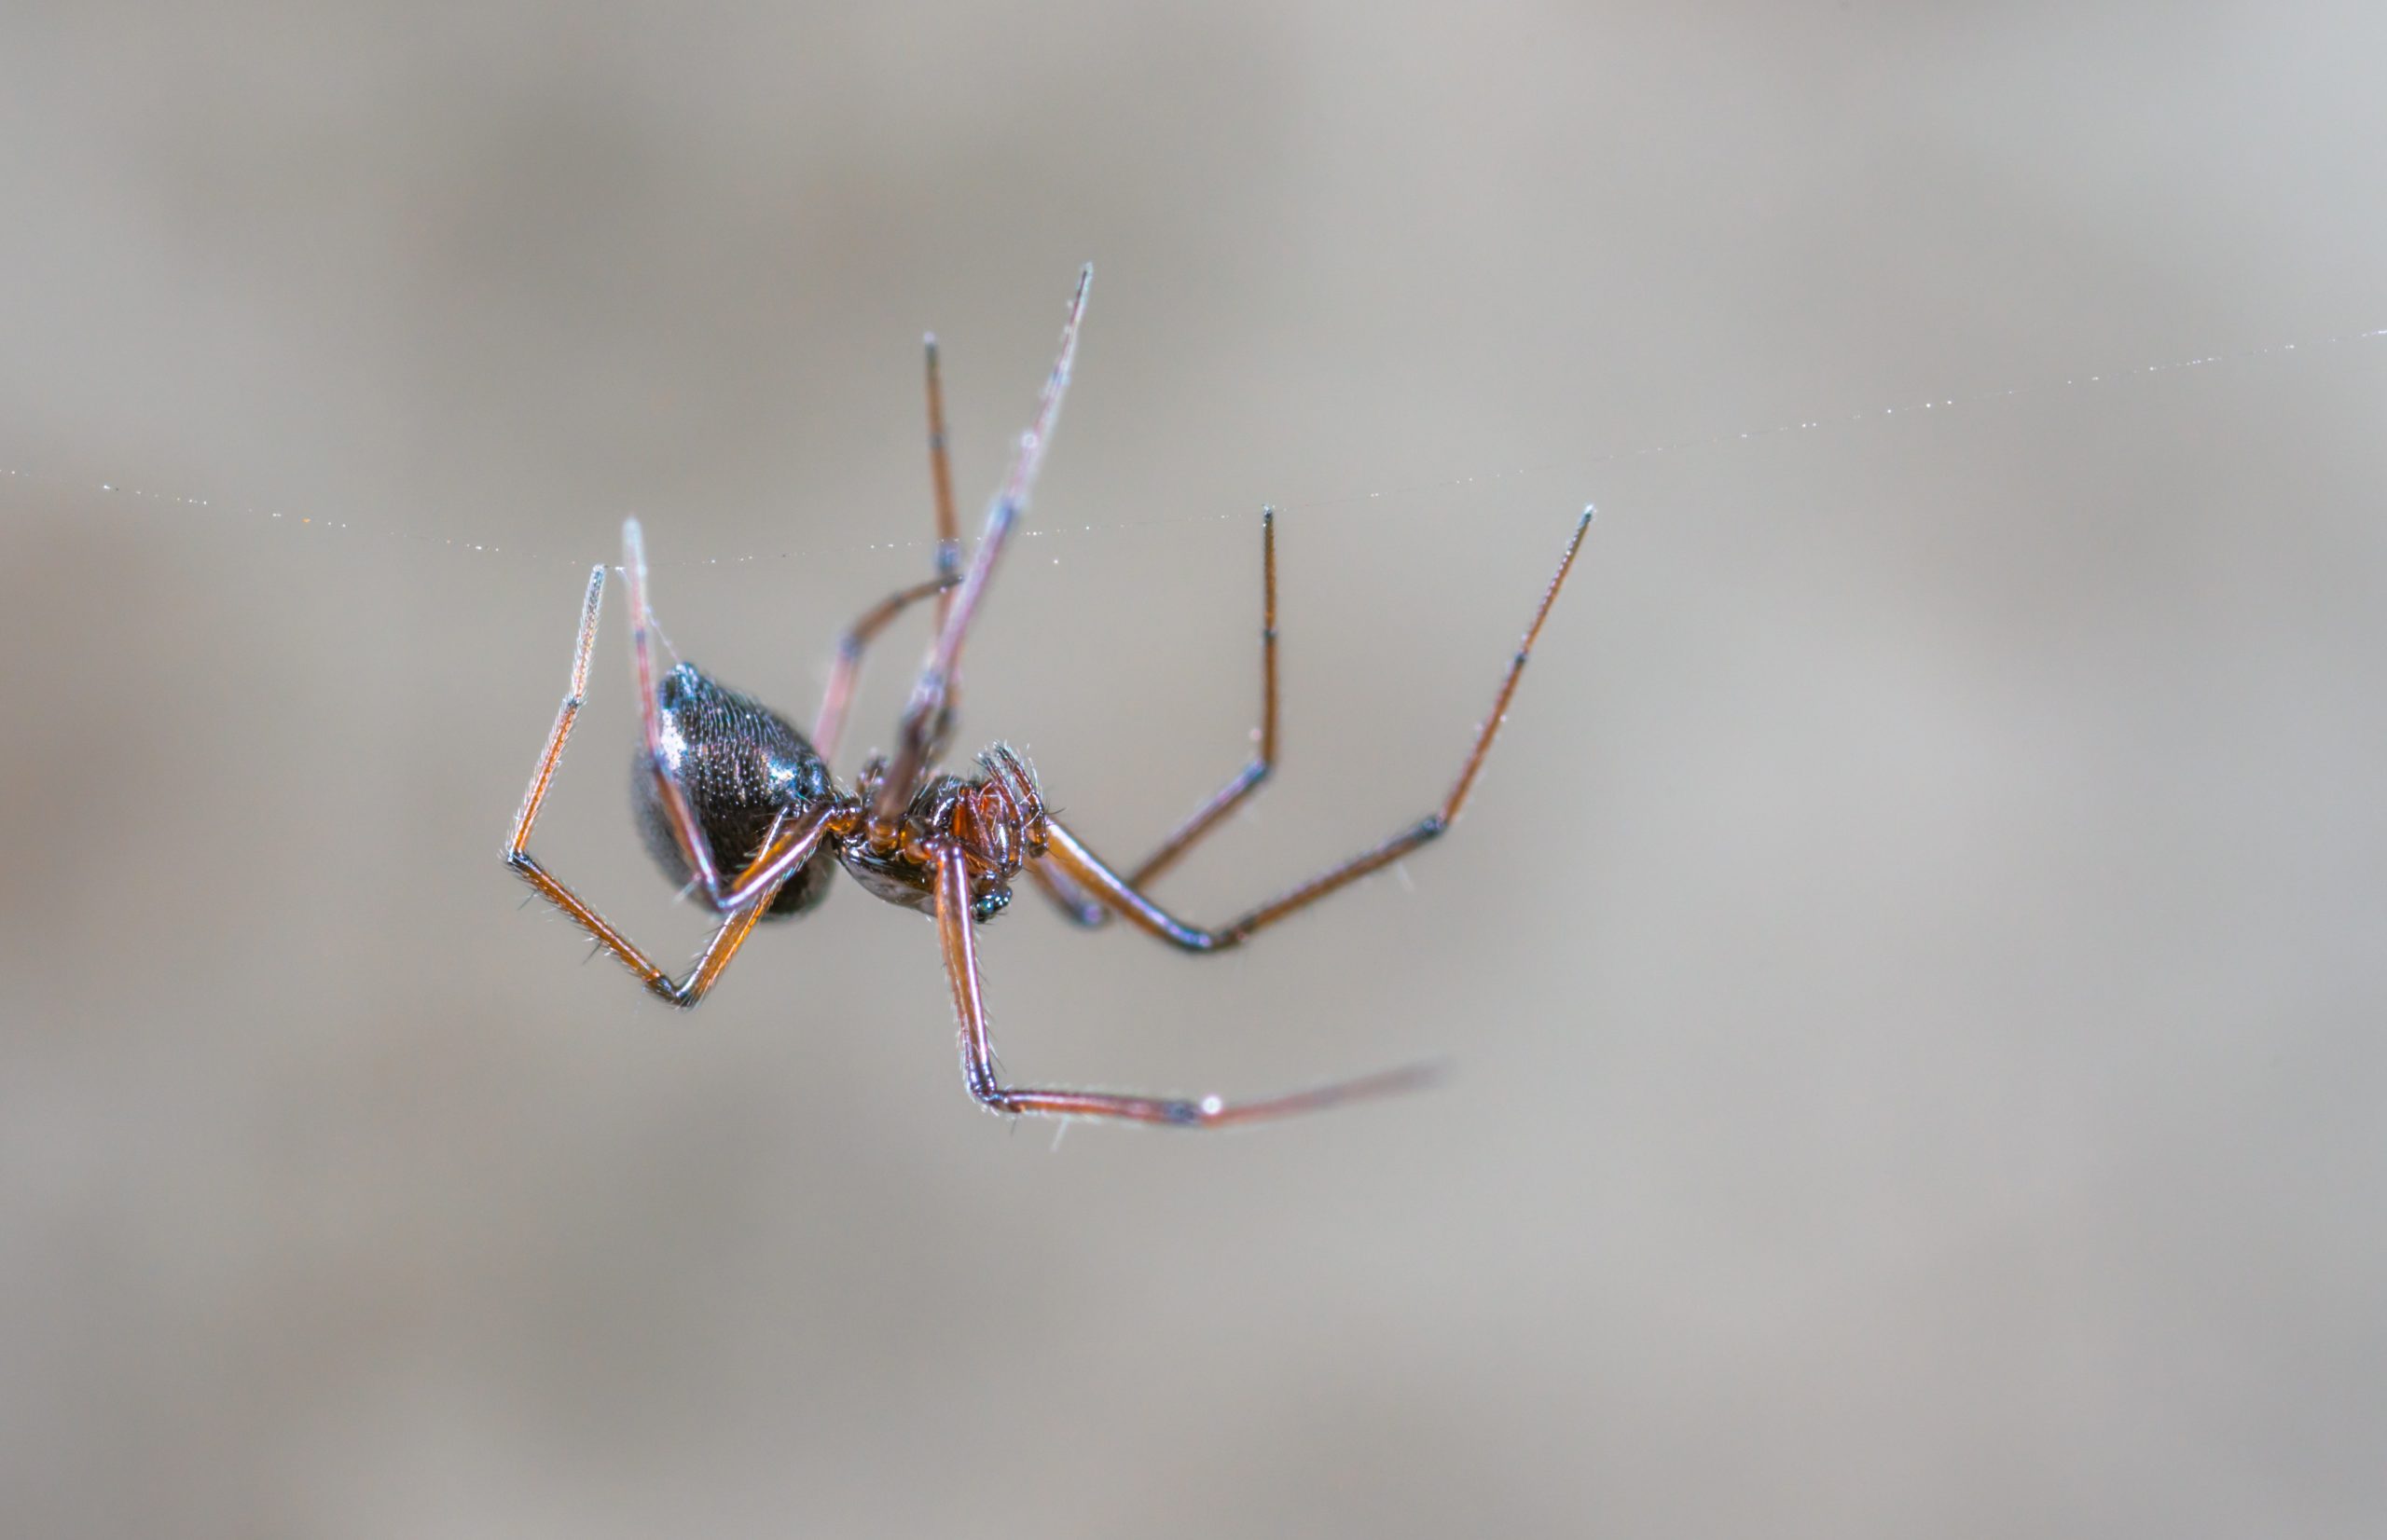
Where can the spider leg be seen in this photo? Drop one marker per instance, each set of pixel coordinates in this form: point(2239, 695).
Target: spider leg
point(769, 868)
point(786, 850)
point(1067, 896)
point(929, 714)
point(1096, 879)
point(591, 607)
point(949, 523)
point(829, 727)
point(728, 937)
point(1072, 899)
point(980, 1073)
point(686, 830)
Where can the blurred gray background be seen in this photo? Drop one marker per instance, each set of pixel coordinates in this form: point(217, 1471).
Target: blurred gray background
point(1912, 968)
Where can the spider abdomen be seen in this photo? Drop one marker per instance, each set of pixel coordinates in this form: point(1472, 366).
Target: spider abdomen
point(742, 766)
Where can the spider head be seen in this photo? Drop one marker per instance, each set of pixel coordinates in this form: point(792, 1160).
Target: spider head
point(983, 821)
point(998, 821)
point(995, 821)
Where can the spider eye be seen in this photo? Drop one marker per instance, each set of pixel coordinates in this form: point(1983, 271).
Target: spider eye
point(987, 905)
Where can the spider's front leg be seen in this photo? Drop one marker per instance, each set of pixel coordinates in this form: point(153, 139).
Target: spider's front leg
point(829, 725)
point(920, 737)
point(978, 1069)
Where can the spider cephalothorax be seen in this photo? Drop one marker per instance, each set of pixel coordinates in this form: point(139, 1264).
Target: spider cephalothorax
point(994, 819)
point(746, 812)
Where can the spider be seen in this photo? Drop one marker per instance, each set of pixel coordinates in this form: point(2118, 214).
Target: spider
point(746, 811)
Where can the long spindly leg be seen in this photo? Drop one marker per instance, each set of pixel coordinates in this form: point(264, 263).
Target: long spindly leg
point(949, 523)
point(986, 1083)
point(929, 712)
point(1096, 880)
point(787, 849)
point(727, 937)
point(1071, 900)
point(771, 865)
point(688, 833)
point(592, 605)
point(829, 727)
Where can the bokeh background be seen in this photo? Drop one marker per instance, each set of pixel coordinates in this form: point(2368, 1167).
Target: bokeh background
point(1914, 967)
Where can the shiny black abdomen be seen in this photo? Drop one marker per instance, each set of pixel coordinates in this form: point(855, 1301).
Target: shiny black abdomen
point(740, 765)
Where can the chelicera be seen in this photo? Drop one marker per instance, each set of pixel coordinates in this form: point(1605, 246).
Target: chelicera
point(747, 813)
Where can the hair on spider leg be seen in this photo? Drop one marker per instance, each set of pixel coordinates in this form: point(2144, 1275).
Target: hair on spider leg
point(718, 771)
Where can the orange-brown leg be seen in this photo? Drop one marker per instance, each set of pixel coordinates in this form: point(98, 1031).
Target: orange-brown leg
point(954, 928)
point(767, 870)
point(1087, 878)
point(928, 713)
point(829, 727)
point(949, 523)
point(685, 831)
point(1084, 910)
point(1072, 900)
point(771, 867)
